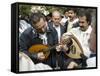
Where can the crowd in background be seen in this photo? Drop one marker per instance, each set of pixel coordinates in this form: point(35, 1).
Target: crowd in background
point(57, 28)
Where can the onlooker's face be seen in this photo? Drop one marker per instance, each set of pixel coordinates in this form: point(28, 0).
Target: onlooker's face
point(71, 14)
point(41, 26)
point(56, 18)
point(92, 41)
point(83, 23)
point(66, 14)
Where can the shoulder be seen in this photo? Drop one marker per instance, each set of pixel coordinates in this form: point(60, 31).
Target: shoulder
point(50, 24)
point(50, 27)
point(89, 29)
point(74, 29)
point(28, 30)
point(63, 27)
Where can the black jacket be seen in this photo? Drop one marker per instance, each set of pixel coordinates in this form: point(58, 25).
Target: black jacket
point(29, 38)
point(62, 29)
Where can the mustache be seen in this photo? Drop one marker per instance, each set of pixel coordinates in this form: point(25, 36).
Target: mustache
point(69, 16)
point(43, 30)
point(81, 26)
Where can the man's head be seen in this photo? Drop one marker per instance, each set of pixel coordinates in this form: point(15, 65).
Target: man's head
point(56, 17)
point(84, 20)
point(72, 13)
point(38, 22)
point(66, 13)
point(48, 17)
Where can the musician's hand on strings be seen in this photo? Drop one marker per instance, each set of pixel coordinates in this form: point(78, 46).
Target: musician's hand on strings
point(58, 48)
point(61, 48)
point(41, 56)
point(65, 40)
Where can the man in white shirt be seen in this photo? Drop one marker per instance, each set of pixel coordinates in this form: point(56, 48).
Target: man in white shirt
point(65, 18)
point(72, 19)
point(83, 37)
point(82, 33)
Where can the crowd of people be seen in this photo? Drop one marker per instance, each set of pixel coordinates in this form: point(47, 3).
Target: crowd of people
point(56, 32)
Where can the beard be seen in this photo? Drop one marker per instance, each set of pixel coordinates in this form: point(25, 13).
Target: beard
point(42, 31)
point(56, 24)
point(82, 28)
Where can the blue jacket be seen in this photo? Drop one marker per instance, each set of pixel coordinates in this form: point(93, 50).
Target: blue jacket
point(29, 38)
point(62, 29)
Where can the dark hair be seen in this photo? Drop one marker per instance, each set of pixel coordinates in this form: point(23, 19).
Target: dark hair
point(87, 14)
point(35, 17)
point(73, 9)
point(66, 10)
point(24, 17)
point(50, 15)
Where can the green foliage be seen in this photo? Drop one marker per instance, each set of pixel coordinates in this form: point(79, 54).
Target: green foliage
point(58, 8)
point(24, 9)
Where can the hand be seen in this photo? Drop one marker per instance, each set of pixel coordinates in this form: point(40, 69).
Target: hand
point(41, 56)
point(60, 47)
point(65, 39)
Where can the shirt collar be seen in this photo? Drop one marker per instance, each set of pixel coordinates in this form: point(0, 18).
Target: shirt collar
point(89, 29)
point(55, 26)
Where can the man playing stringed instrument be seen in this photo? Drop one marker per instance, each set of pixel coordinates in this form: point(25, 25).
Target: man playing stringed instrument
point(32, 39)
point(82, 33)
point(39, 33)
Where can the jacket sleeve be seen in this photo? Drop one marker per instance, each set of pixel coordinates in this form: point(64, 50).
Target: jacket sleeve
point(24, 42)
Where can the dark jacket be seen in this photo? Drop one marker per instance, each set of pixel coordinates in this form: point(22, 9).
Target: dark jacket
point(62, 29)
point(29, 38)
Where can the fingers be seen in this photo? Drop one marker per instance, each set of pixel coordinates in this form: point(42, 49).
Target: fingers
point(58, 48)
point(65, 38)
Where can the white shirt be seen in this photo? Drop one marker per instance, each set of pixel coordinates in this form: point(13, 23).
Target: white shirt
point(70, 25)
point(44, 38)
point(58, 32)
point(26, 64)
point(83, 37)
point(63, 20)
point(91, 62)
